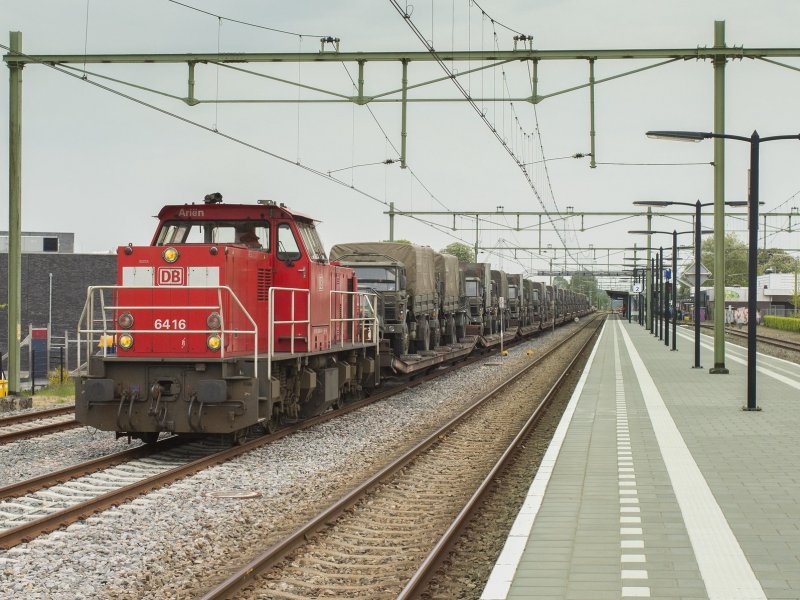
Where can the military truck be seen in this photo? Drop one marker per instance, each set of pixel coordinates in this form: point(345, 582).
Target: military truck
point(540, 305)
point(516, 302)
point(499, 290)
point(452, 313)
point(530, 302)
point(403, 276)
point(477, 281)
point(550, 305)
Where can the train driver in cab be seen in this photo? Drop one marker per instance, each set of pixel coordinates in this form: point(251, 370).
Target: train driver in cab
point(248, 237)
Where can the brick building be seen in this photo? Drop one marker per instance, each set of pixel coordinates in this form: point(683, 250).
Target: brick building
point(44, 253)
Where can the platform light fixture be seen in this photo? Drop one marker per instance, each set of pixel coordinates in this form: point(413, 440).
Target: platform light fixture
point(675, 235)
point(755, 141)
point(697, 256)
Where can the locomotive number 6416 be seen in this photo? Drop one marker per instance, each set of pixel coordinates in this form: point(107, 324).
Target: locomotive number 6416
point(169, 324)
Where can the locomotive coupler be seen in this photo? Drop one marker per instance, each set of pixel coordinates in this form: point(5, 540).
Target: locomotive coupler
point(126, 396)
point(155, 394)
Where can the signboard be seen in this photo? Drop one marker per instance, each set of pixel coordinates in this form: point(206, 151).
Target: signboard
point(501, 302)
point(687, 277)
point(637, 288)
point(38, 350)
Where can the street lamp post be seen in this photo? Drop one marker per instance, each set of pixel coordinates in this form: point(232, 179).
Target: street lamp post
point(660, 289)
point(697, 257)
point(630, 300)
point(674, 289)
point(755, 142)
point(675, 235)
point(651, 296)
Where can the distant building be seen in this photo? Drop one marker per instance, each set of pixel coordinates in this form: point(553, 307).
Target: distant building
point(775, 292)
point(44, 253)
point(42, 241)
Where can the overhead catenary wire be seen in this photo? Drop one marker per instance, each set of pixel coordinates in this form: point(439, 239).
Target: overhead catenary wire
point(471, 102)
point(319, 173)
point(493, 20)
point(391, 143)
point(246, 23)
point(86, 36)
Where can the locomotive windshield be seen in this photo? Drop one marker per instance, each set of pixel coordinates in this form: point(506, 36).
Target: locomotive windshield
point(214, 232)
point(314, 247)
point(380, 279)
point(512, 292)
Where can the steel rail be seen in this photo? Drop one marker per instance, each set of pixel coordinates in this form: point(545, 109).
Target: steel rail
point(13, 436)
point(28, 531)
point(36, 415)
point(278, 551)
point(85, 468)
point(766, 339)
point(439, 553)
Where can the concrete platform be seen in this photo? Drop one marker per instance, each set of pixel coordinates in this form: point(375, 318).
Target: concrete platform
point(659, 485)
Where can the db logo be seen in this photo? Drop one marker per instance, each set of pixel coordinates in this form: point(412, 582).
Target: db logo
point(169, 276)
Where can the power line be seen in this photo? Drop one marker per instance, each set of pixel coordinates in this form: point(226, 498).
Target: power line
point(248, 24)
point(471, 102)
point(493, 20)
point(82, 77)
point(391, 143)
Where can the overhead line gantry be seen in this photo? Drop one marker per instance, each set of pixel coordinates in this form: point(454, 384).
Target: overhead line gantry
point(718, 55)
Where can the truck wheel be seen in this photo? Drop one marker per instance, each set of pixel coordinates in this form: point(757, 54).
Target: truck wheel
point(423, 336)
point(436, 335)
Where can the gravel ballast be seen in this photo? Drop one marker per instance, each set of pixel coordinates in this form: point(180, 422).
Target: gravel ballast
point(178, 541)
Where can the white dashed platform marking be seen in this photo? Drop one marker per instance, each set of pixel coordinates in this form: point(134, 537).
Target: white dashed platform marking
point(723, 566)
point(630, 537)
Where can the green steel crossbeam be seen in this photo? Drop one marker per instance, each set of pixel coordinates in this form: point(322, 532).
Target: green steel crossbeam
point(719, 54)
point(566, 215)
point(706, 53)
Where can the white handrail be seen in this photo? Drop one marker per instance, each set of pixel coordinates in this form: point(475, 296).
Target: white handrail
point(367, 322)
point(271, 322)
point(88, 316)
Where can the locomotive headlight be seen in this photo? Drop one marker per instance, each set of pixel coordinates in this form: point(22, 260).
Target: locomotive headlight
point(170, 255)
point(125, 341)
point(214, 321)
point(125, 320)
point(213, 342)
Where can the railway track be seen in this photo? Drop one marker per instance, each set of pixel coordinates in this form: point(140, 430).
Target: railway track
point(763, 339)
point(377, 535)
point(33, 507)
point(37, 423)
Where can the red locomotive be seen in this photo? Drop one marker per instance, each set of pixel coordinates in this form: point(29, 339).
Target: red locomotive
point(231, 317)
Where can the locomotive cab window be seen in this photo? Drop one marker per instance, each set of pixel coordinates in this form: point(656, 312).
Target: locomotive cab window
point(314, 247)
point(288, 249)
point(253, 234)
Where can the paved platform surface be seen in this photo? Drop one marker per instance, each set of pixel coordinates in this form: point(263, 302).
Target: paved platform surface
point(659, 485)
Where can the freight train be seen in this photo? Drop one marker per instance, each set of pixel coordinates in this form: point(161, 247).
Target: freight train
point(234, 317)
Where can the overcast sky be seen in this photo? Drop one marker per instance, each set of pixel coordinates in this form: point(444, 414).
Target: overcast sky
point(100, 166)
